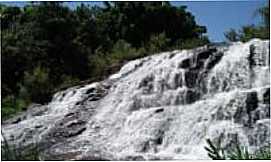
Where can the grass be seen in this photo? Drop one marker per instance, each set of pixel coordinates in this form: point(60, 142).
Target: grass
point(216, 152)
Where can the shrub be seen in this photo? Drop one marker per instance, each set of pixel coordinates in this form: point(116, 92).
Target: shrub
point(239, 153)
point(251, 31)
point(36, 86)
point(11, 106)
point(122, 51)
point(191, 43)
point(232, 35)
point(216, 152)
point(158, 43)
point(68, 81)
point(98, 63)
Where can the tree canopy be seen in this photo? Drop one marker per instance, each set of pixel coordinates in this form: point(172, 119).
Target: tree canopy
point(248, 32)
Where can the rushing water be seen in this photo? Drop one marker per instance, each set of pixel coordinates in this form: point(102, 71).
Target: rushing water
point(163, 106)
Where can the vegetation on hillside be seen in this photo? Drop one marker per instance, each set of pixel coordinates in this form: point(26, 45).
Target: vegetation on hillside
point(47, 45)
point(252, 31)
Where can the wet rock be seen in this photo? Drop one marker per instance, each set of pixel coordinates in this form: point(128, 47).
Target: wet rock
point(134, 158)
point(172, 55)
point(213, 60)
point(91, 90)
point(146, 81)
point(251, 101)
point(205, 54)
point(159, 110)
point(75, 132)
point(185, 63)
point(17, 120)
point(191, 96)
point(190, 78)
point(266, 96)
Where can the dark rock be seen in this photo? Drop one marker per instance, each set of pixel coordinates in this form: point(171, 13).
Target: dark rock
point(159, 140)
point(91, 90)
point(266, 96)
point(145, 82)
point(134, 158)
point(241, 116)
point(76, 132)
point(38, 126)
point(159, 110)
point(251, 101)
point(74, 124)
point(178, 80)
point(191, 96)
point(94, 98)
point(95, 158)
point(204, 55)
point(190, 78)
point(16, 120)
point(171, 55)
point(63, 156)
point(199, 65)
point(185, 64)
point(250, 58)
point(213, 60)
point(78, 103)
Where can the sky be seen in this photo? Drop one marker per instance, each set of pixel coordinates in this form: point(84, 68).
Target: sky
point(220, 16)
point(217, 16)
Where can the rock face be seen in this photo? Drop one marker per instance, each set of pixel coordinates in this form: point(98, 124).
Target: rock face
point(160, 107)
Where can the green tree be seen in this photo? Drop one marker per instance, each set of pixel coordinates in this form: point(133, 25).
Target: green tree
point(36, 86)
point(158, 43)
point(252, 31)
point(232, 35)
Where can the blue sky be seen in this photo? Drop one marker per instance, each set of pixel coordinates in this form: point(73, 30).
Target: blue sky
point(217, 16)
point(220, 16)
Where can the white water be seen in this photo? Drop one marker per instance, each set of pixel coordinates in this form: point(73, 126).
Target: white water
point(155, 109)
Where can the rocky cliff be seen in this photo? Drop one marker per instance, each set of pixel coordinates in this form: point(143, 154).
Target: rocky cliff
point(163, 106)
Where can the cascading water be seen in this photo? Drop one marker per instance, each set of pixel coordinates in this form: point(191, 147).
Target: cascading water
point(163, 106)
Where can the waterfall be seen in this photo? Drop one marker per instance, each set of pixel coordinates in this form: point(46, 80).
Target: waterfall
point(162, 106)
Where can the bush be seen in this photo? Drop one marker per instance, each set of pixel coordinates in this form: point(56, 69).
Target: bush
point(122, 51)
point(191, 43)
point(216, 152)
point(158, 43)
point(251, 31)
point(68, 81)
point(232, 35)
point(36, 86)
point(98, 63)
point(11, 105)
